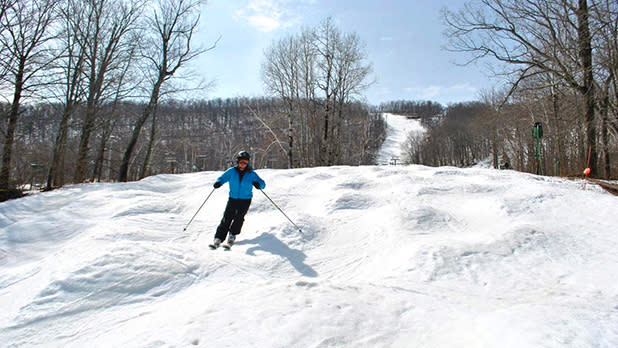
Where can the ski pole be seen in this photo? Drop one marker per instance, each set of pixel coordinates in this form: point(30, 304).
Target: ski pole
point(200, 208)
point(276, 206)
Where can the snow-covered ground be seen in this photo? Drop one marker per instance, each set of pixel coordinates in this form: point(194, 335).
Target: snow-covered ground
point(398, 128)
point(389, 256)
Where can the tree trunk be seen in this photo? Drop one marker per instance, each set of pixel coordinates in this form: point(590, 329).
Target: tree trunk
point(587, 90)
point(336, 150)
point(494, 145)
point(84, 144)
point(605, 158)
point(7, 152)
point(98, 163)
point(153, 134)
point(55, 176)
point(324, 145)
point(290, 135)
point(148, 110)
point(557, 132)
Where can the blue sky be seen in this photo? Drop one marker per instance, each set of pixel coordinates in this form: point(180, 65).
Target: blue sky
point(403, 39)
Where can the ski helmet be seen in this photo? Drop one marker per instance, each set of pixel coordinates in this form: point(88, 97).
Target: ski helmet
point(243, 155)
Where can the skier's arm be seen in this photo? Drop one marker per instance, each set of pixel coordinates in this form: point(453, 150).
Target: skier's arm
point(225, 177)
point(258, 182)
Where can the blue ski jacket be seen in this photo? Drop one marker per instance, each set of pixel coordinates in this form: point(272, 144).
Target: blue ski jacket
point(241, 189)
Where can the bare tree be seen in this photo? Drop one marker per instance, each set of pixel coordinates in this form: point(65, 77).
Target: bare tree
point(412, 147)
point(126, 81)
point(308, 108)
point(323, 67)
point(26, 32)
point(326, 39)
point(71, 65)
point(5, 5)
point(104, 34)
point(586, 87)
point(351, 80)
point(281, 73)
point(288, 72)
point(605, 18)
point(170, 29)
point(494, 122)
point(536, 37)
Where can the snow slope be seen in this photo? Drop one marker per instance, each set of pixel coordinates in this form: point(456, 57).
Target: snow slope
point(389, 257)
point(398, 128)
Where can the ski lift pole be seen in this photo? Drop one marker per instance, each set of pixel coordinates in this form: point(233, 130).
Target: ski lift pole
point(276, 206)
point(198, 210)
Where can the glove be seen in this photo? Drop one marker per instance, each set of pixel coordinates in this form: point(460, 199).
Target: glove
point(216, 185)
point(256, 185)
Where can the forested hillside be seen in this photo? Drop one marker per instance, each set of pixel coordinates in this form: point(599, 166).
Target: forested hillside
point(189, 136)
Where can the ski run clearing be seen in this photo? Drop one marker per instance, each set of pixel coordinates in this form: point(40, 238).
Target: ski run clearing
point(389, 256)
point(398, 129)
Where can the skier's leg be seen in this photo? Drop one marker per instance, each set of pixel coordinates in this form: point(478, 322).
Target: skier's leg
point(239, 217)
point(228, 216)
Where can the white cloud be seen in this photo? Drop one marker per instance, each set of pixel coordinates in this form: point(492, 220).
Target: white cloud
point(263, 22)
point(269, 15)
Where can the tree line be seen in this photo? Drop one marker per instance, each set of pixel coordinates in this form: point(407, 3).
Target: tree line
point(413, 108)
point(473, 132)
point(560, 59)
point(185, 136)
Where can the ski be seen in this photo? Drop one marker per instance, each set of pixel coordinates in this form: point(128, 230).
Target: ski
point(225, 246)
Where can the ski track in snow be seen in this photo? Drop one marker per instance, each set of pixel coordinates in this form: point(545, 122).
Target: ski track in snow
point(406, 256)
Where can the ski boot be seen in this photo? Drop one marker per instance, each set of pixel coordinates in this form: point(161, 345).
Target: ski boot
point(215, 244)
point(231, 239)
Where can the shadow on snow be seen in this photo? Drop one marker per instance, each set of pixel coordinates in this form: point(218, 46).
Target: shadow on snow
point(270, 243)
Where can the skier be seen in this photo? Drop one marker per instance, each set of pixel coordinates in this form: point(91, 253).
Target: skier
point(241, 178)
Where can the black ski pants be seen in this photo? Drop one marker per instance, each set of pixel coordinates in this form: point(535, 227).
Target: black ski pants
point(233, 217)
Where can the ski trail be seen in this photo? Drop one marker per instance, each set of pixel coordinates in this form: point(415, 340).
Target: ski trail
point(398, 128)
